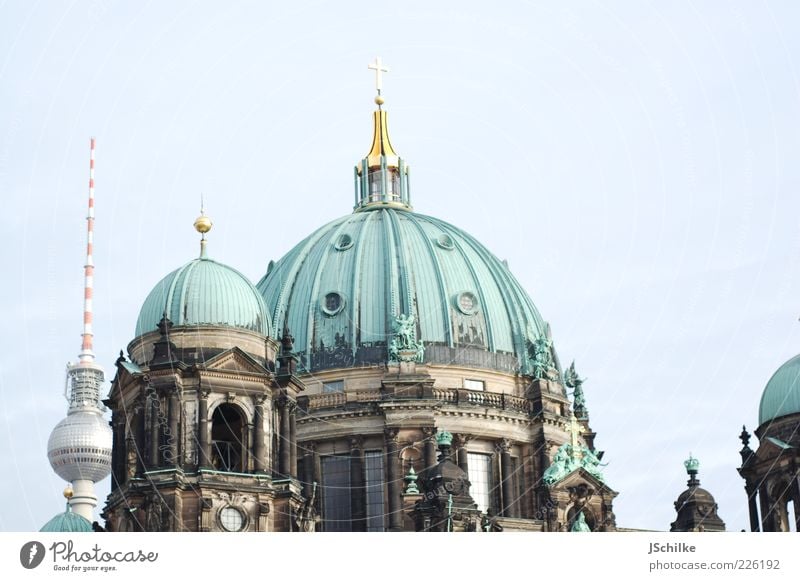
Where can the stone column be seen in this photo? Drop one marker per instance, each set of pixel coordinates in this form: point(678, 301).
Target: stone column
point(358, 508)
point(794, 494)
point(203, 437)
point(507, 484)
point(309, 468)
point(154, 458)
point(118, 455)
point(394, 480)
point(767, 514)
point(285, 439)
point(461, 453)
point(293, 439)
point(259, 447)
point(139, 428)
point(430, 448)
point(171, 452)
point(752, 492)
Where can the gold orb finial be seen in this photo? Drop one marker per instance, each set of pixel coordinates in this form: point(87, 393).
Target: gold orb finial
point(203, 224)
point(68, 492)
point(379, 100)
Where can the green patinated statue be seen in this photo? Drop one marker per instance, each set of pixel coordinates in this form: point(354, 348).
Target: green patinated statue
point(563, 464)
point(575, 382)
point(591, 463)
point(568, 459)
point(579, 525)
point(404, 346)
point(542, 354)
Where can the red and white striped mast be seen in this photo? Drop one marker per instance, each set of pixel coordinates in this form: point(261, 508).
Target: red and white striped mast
point(87, 354)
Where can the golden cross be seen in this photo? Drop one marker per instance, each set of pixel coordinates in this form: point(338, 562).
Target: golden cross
point(378, 67)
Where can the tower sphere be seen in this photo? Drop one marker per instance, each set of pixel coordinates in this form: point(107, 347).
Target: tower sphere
point(79, 447)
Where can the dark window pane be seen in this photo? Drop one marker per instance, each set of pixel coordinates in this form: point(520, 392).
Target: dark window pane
point(373, 463)
point(336, 511)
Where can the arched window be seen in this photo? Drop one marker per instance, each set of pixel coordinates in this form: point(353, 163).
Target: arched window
point(227, 439)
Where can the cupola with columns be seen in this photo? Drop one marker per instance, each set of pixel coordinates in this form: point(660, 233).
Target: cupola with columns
point(204, 429)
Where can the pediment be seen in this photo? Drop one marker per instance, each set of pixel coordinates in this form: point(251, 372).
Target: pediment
point(235, 360)
point(581, 476)
point(127, 372)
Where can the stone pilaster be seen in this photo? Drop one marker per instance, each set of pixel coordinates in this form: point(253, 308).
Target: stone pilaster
point(358, 507)
point(394, 480)
point(203, 435)
point(171, 452)
point(507, 483)
point(259, 446)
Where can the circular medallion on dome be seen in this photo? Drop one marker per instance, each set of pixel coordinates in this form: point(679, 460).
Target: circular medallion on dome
point(467, 303)
point(231, 519)
point(444, 241)
point(332, 304)
point(344, 242)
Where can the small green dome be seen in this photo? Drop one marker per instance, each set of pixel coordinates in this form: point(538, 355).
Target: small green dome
point(67, 522)
point(340, 290)
point(204, 292)
point(781, 397)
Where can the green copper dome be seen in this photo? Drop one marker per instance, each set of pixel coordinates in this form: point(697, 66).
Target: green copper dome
point(340, 290)
point(67, 522)
point(204, 292)
point(781, 397)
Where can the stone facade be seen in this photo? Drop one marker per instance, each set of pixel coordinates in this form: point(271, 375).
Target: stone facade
point(772, 475)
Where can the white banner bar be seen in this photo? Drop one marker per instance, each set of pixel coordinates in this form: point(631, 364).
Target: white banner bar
point(401, 556)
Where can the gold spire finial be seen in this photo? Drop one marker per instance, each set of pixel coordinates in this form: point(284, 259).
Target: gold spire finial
point(203, 224)
point(381, 146)
point(68, 492)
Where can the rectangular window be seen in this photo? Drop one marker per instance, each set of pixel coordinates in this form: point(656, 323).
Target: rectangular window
point(333, 386)
point(480, 478)
point(373, 467)
point(474, 384)
point(336, 509)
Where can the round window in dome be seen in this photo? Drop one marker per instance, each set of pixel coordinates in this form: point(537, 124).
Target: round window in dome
point(231, 519)
point(344, 242)
point(332, 304)
point(444, 241)
point(467, 303)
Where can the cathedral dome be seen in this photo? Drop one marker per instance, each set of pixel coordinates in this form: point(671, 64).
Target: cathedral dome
point(340, 290)
point(67, 522)
point(781, 397)
point(204, 292)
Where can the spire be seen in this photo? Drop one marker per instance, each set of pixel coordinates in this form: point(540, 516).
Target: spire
point(203, 225)
point(87, 353)
point(85, 377)
point(381, 178)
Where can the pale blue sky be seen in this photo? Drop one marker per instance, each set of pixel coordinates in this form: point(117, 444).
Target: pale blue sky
point(635, 162)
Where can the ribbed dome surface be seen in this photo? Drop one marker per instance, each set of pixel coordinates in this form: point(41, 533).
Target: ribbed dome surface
point(341, 288)
point(204, 292)
point(67, 522)
point(781, 397)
